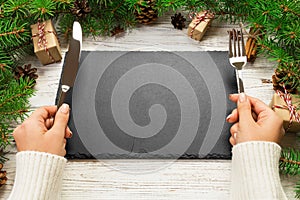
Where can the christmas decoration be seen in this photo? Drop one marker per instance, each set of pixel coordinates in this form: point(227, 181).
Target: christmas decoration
point(288, 77)
point(146, 12)
point(178, 21)
point(277, 21)
point(251, 44)
point(3, 177)
point(103, 18)
point(285, 105)
point(15, 43)
point(279, 26)
point(13, 105)
point(199, 25)
point(289, 164)
point(45, 42)
point(81, 8)
point(26, 72)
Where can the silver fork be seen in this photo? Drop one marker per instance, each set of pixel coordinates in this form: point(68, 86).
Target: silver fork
point(237, 55)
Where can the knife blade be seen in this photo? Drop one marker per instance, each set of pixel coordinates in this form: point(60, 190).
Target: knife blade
point(72, 63)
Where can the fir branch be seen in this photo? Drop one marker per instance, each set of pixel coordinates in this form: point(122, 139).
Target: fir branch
point(14, 32)
point(297, 190)
point(18, 112)
point(293, 162)
point(5, 61)
point(287, 9)
point(118, 6)
point(11, 99)
point(290, 161)
point(16, 9)
point(43, 9)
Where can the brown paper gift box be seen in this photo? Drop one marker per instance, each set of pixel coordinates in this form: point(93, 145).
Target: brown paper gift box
point(201, 28)
point(52, 44)
point(285, 114)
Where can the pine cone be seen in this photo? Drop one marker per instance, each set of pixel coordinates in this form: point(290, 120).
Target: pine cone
point(26, 72)
point(81, 8)
point(3, 177)
point(147, 13)
point(178, 21)
point(277, 77)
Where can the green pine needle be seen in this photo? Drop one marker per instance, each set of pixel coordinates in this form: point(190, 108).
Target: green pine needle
point(16, 16)
point(290, 162)
point(297, 190)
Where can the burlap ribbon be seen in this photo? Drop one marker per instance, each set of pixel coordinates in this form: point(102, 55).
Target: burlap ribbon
point(42, 42)
point(287, 98)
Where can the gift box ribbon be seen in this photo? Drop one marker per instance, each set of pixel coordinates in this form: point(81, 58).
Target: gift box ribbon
point(287, 98)
point(42, 42)
point(198, 18)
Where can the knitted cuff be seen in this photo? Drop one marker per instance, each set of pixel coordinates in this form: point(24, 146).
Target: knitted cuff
point(255, 172)
point(38, 175)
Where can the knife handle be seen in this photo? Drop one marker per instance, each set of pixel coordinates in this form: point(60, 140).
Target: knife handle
point(62, 95)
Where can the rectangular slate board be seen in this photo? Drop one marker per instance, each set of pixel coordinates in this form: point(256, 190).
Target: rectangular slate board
point(152, 104)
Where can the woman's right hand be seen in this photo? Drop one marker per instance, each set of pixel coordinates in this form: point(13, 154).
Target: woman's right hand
point(253, 121)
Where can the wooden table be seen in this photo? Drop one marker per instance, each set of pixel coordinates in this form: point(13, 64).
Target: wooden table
point(184, 179)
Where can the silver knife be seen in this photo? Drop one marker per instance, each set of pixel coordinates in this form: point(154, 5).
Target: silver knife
point(72, 63)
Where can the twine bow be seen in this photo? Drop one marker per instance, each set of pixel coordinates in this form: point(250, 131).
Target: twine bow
point(198, 18)
point(287, 98)
point(42, 42)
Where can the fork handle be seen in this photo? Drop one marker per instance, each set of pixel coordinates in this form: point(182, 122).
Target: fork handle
point(239, 80)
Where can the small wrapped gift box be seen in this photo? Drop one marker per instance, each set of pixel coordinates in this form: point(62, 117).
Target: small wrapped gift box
point(281, 108)
point(199, 25)
point(45, 42)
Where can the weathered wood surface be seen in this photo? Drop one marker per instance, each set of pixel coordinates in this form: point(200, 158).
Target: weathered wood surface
point(183, 179)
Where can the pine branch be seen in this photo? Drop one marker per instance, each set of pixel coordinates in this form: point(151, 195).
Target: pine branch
point(297, 190)
point(290, 162)
point(11, 99)
point(13, 105)
point(15, 112)
point(5, 61)
point(14, 32)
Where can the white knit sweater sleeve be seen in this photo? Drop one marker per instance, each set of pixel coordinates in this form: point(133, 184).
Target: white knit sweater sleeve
point(38, 176)
point(255, 171)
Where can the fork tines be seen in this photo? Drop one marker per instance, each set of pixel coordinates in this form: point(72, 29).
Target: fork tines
point(237, 54)
point(238, 45)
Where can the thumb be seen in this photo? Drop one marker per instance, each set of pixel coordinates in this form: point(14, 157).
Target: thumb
point(244, 110)
point(61, 119)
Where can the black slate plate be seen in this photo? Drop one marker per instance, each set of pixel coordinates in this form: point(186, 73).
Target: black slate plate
point(151, 105)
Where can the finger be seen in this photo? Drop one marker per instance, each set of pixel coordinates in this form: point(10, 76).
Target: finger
point(49, 122)
point(44, 112)
point(244, 109)
point(233, 117)
point(61, 120)
point(257, 105)
point(254, 116)
point(232, 141)
point(234, 97)
point(234, 129)
point(64, 147)
point(68, 133)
